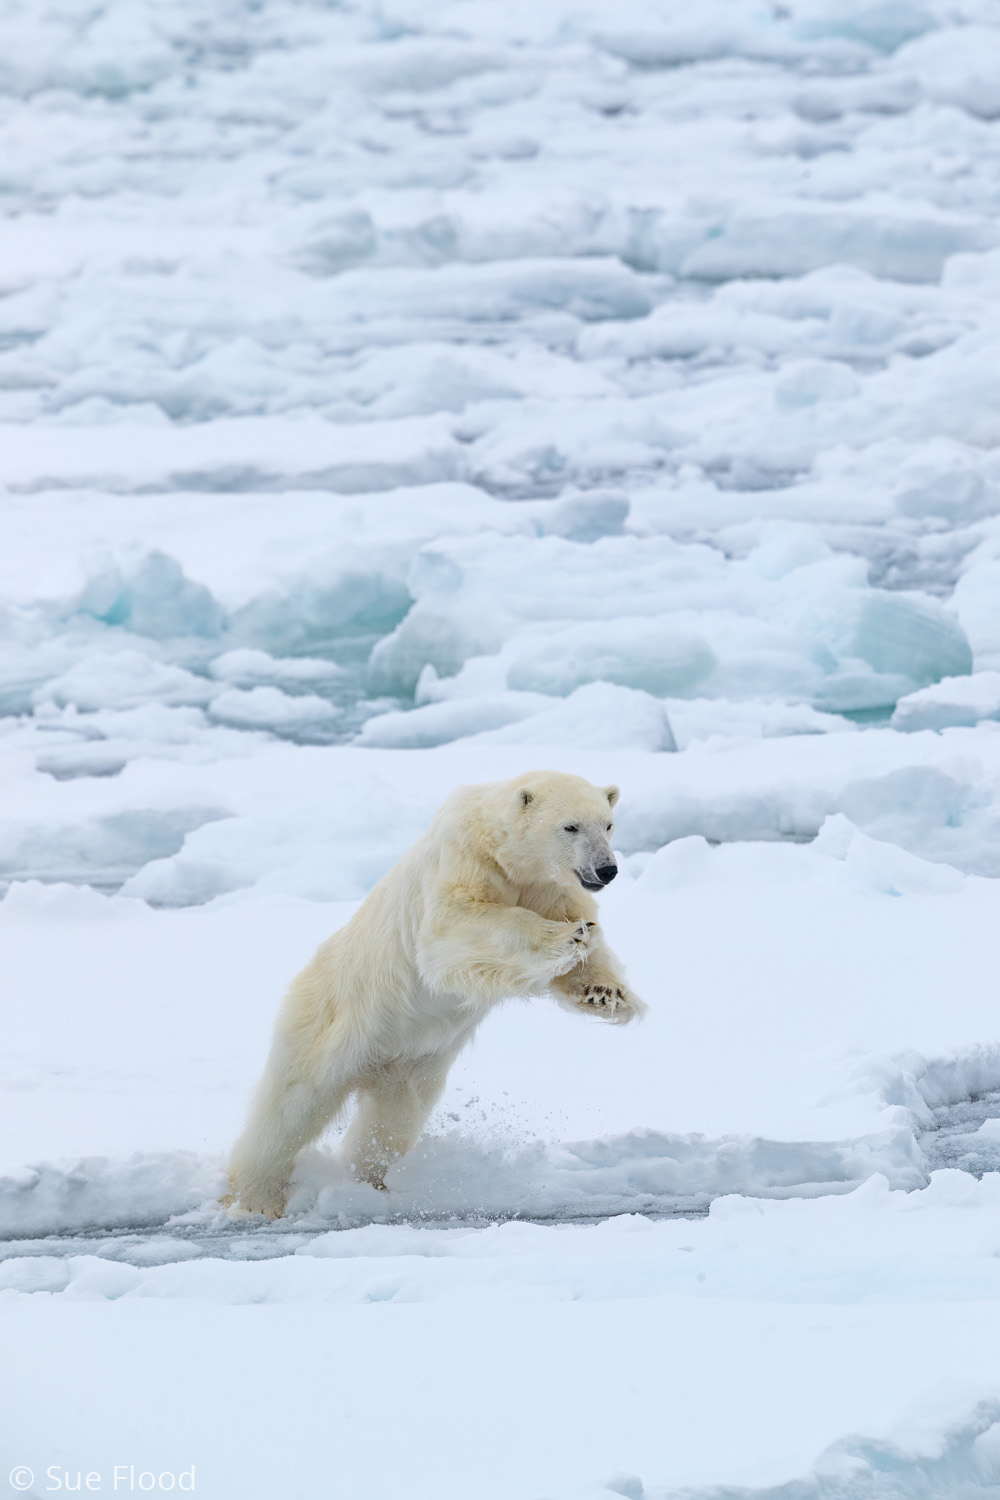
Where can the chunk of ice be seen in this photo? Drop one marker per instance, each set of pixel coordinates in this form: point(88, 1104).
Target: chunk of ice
point(270, 708)
point(954, 700)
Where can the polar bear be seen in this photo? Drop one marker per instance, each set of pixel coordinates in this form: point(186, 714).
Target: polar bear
point(493, 901)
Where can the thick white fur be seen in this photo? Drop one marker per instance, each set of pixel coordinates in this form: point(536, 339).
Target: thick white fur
point(487, 904)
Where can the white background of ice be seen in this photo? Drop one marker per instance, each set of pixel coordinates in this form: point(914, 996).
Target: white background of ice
point(398, 394)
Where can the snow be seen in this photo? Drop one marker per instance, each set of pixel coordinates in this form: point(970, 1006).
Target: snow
point(395, 396)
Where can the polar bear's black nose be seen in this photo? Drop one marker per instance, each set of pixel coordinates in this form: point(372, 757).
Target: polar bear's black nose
point(606, 873)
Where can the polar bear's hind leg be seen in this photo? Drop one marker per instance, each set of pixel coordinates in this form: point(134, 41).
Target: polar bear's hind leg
point(285, 1117)
point(392, 1108)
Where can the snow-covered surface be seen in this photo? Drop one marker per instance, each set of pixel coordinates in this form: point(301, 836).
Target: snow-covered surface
point(400, 394)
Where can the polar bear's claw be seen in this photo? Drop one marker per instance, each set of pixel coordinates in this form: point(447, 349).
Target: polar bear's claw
point(604, 997)
point(610, 1001)
point(574, 947)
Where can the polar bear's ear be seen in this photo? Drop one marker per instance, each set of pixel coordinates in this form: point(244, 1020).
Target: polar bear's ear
point(525, 796)
point(612, 793)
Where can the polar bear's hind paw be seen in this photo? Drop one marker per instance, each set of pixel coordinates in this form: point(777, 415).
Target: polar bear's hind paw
point(268, 1202)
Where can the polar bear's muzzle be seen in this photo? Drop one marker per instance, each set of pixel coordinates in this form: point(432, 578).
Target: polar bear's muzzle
point(596, 880)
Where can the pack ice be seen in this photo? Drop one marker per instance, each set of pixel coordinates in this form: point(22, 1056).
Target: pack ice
point(396, 395)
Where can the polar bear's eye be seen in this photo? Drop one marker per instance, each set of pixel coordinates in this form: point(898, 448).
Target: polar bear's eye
point(609, 827)
point(571, 828)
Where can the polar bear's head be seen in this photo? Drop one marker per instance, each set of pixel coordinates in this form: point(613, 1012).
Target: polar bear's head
point(558, 828)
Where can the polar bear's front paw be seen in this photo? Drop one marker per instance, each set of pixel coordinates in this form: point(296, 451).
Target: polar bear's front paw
point(573, 948)
point(612, 1002)
point(604, 997)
